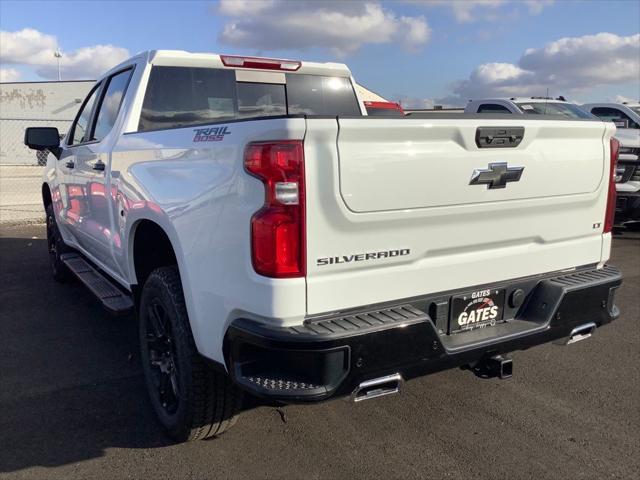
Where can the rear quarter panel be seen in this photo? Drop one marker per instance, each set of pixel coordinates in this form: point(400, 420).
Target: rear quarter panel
point(200, 195)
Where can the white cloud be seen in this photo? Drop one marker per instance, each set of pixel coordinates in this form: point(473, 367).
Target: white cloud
point(586, 61)
point(36, 49)
point(498, 73)
point(416, 32)
point(623, 99)
point(567, 65)
point(244, 7)
point(27, 46)
point(536, 6)
point(9, 75)
point(467, 11)
point(85, 63)
point(342, 27)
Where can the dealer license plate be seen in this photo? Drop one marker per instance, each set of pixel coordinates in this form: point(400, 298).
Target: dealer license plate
point(479, 309)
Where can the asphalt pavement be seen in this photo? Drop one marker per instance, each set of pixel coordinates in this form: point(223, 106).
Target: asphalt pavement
point(73, 403)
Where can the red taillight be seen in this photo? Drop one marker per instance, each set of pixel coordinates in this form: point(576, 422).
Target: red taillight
point(278, 236)
point(611, 197)
point(383, 105)
point(261, 63)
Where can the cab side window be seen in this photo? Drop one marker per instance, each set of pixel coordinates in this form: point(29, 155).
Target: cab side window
point(177, 97)
point(492, 108)
point(614, 115)
point(110, 104)
point(80, 128)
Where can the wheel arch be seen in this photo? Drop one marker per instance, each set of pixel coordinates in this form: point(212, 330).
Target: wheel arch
point(152, 227)
point(142, 261)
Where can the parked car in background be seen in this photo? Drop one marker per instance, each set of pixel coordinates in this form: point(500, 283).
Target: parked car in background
point(274, 239)
point(435, 109)
point(384, 109)
point(626, 117)
point(527, 106)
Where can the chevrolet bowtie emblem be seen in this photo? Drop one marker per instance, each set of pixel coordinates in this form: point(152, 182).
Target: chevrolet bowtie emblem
point(496, 176)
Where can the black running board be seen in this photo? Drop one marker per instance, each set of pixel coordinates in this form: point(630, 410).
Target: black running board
point(113, 299)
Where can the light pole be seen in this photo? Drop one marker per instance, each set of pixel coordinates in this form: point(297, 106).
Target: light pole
point(58, 55)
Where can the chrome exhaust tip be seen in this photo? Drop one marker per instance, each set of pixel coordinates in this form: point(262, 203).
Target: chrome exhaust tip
point(378, 387)
point(581, 332)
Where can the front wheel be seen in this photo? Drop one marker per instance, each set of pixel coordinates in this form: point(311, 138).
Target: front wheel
point(191, 400)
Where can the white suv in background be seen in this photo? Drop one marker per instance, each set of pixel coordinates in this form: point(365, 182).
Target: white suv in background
point(626, 117)
point(527, 105)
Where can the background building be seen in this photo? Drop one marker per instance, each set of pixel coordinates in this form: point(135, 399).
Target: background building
point(24, 104)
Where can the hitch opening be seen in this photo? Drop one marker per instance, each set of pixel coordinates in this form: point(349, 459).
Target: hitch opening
point(497, 366)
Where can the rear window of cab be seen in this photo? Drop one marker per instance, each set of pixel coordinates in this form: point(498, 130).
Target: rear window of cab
point(184, 96)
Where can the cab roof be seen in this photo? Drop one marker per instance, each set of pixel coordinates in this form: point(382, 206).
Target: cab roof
point(181, 58)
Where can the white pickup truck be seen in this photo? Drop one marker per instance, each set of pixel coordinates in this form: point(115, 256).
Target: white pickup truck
point(275, 240)
point(626, 118)
point(526, 106)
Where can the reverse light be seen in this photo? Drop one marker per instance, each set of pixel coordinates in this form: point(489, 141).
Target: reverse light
point(278, 235)
point(610, 212)
point(261, 63)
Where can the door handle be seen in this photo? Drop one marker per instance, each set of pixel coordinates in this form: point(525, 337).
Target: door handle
point(70, 164)
point(499, 137)
point(99, 166)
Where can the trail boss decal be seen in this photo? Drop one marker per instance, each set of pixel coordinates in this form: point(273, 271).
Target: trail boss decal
point(211, 134)
point(477, 309)
point(362, 257)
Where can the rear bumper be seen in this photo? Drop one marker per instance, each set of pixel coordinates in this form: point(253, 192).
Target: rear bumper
point(330, 356)
point(627, 207)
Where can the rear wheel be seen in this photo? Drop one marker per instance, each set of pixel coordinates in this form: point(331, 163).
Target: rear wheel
point(191, 400)
point(56, 247)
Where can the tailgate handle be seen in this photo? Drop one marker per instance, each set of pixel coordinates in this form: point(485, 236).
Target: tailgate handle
point(499, 137)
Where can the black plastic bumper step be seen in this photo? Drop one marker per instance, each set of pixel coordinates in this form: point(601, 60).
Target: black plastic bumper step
point(113, 299)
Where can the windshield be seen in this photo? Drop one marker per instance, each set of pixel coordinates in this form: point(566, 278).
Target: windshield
point(553, 108)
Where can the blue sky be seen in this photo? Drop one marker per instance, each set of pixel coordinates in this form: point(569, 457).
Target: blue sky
point(419, 51)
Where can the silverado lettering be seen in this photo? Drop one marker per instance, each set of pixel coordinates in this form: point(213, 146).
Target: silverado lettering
point(360, 257)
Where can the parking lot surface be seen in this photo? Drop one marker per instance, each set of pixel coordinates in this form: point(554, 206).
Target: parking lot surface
point(73, 403)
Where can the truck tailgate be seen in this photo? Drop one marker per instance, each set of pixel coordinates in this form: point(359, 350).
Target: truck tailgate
point(391, 213)
point(424, 164)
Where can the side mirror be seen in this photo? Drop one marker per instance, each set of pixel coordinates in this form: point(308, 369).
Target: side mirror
point(43, 138)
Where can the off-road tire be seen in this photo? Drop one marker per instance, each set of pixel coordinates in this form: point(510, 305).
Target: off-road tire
point(56, 247)
point(207, 401)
